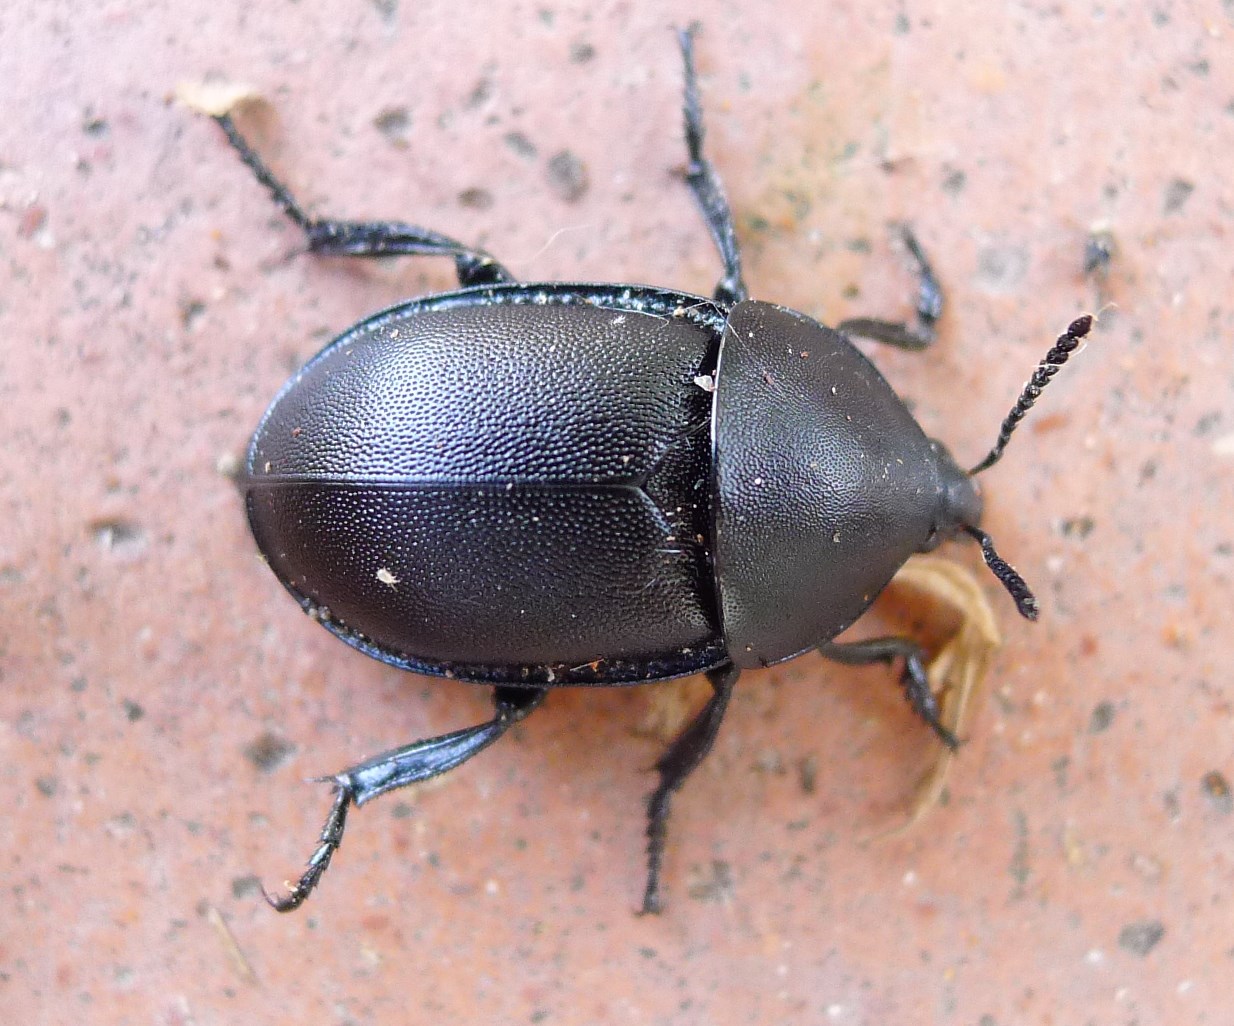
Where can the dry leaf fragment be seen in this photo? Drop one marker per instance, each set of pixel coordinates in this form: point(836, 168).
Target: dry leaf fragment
point(214, 96)
point(959, 667)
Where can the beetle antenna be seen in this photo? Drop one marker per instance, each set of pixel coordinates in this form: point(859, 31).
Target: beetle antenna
point(1066, 344)
point(1025, 600)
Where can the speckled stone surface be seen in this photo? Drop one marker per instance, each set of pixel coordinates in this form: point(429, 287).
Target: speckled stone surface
point(162, 700)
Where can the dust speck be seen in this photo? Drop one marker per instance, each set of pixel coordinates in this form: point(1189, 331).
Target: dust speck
point(1001, 267)
point(475, 199)
point(581, 53)
point(395, 124)
point(1101, 717)
point(1217, 790)
point(520, 144)
point(269, 751)
point(568, 176)
point(1141, 936)
point(1176, 194)
point(713, 883)
point(245, 887)
point(117, 534)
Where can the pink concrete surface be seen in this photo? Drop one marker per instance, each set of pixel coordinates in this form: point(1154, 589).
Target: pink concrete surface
point(162, 700)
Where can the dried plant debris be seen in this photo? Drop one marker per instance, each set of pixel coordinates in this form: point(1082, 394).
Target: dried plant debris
point(959, 664)
point(671, 705)
point(215, 96)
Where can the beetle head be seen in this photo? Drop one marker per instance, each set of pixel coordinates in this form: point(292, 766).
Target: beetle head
point(959, 502)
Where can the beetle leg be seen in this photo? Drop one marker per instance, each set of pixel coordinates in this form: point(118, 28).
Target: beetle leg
point(916, 684)
point(367, 238)
point(683, 755)
point(705, 183)
point(410, 764)
point(929, 308)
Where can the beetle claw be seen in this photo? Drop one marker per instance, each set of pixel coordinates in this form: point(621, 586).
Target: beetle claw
point(288, 903)
point(319, 861)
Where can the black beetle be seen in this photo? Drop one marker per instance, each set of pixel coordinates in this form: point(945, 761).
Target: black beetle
point(547, 485)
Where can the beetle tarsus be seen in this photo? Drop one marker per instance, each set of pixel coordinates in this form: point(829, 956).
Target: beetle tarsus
point(913, 677)
point(421, 760)
point(332, 237)
point(922, 699)
point(331, 838)
point(929, 307)
point(705, 182)
point(657, 830)
point(282, 196)
point(683, 756)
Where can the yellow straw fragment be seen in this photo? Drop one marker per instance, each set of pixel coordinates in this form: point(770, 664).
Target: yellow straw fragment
point(958, 669)
point(215, 97)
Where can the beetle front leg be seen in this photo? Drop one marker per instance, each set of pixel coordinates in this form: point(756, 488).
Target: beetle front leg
point(705, 183)
point(916, 684)
point(367, 238)
point(410, 764)
point(913, 677)
point(683, 755)
point(929, 308)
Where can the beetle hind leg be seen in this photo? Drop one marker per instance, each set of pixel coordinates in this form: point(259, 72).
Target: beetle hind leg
point(929, 307)
point(916, 684)
point(366, 238)
point(682, 757)
point(704, 182)
point(410, 764)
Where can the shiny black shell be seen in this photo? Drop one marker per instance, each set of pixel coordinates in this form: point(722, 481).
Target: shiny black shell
point(505, 484)
point(825, 484)
point(559, 484)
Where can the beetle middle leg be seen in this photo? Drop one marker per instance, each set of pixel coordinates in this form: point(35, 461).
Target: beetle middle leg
point(399, 767)
point(916, 684)
point(682, 757)
point(367, 238)
point(929, 307)
point(705, 183)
